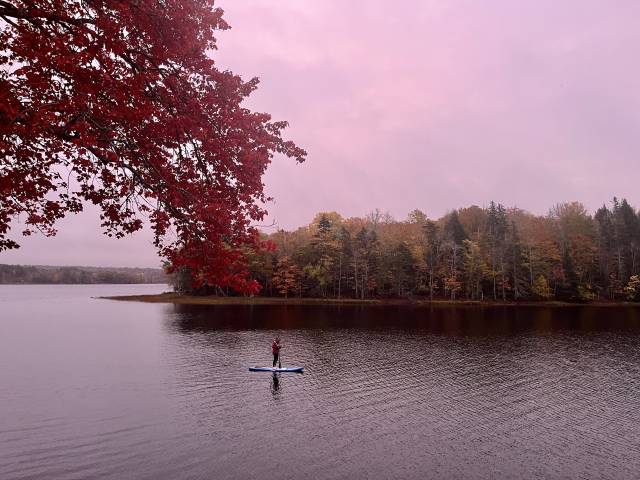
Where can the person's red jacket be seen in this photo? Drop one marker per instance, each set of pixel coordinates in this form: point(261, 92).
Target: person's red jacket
point(275, 347)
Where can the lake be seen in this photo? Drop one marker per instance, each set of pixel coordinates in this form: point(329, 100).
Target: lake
point(94, 388)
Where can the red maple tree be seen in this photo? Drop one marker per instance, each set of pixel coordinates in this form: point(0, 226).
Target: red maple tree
point(117, 103)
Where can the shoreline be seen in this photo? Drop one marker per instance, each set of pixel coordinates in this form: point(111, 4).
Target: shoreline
point(174, 298)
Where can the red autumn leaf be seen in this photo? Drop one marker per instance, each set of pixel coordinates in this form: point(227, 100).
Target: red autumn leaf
point(121, 98)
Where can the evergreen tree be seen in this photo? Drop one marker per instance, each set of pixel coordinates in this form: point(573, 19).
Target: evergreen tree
point(324, 267)
point(365, 262)
point(474, 268)
point(431, 252)
point(403, 269)
point(345, 258)
point(496, 233)
point(606, 249)
point(324, 226)
point(454, 230)
point(568, 288)
point(626, 228)
point(454, 237)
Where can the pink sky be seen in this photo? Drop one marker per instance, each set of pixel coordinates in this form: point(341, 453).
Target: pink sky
point(424, 104)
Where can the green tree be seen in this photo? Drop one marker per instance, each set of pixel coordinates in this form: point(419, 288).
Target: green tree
point(431, 253)
point(496, 232)
point(403, 269)
point(606, 244)
point(576, 239)
point(324, 264)
point(365, 262)
point(345, 257)
point(475, 269)
point(626, 229)
point(455, 236)
point(517, 270)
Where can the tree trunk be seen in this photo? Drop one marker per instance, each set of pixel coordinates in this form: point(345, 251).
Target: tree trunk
point(453, 272)
point(493, 272)
point(530, 268)
point(620, 269)
point(495, 295)
point(431, 284)
point(340, 277)
point(516, 293)
point(364, 282)
point(355, 268)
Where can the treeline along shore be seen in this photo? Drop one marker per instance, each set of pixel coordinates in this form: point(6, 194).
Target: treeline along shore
point(42, 274)
point(475, 254)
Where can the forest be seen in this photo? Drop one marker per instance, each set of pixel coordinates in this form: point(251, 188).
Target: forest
point(41, 274)
point(493, 253)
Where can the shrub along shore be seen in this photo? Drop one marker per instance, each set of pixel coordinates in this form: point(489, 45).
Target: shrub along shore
point(175, 298)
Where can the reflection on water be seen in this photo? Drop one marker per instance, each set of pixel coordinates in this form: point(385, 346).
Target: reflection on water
point(438, 320)
point(98, 389)
point(275, 385)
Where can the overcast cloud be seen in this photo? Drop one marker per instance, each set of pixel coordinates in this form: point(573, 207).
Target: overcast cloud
point(424, 104)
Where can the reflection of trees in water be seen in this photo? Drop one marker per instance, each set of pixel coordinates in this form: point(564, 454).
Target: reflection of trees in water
point(448, 320)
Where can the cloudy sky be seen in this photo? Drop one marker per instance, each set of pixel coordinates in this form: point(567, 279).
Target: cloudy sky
point(424, 104)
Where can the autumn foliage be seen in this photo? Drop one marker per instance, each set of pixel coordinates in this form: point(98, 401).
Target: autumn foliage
point(286, 277)
point(492, 253)
point(118, 103)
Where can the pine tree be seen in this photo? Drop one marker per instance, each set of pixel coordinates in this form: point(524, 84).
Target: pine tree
point(606, 249)
point(568, 289)
point(365, 261)
point(345, 257)
point(403, 269)
point(496, 233)
point(474, 268)
point(431, 252)
point(516, 267)
point(455, 236)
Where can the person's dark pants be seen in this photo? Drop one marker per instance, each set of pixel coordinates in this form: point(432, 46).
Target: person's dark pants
point(275, 358)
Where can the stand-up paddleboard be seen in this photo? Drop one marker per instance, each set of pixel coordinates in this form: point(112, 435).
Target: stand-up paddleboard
point(277, 370)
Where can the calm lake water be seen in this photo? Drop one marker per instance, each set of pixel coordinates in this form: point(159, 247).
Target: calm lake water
point(94, 389)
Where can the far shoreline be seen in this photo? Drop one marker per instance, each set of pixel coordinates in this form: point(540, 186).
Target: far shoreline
point(177, 299)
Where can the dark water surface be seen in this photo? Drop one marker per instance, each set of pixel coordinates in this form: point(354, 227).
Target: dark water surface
point(101, 389)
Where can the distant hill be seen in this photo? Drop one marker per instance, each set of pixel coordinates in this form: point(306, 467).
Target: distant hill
point(45, 274)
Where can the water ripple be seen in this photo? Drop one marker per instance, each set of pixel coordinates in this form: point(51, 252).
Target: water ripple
point(152, 392)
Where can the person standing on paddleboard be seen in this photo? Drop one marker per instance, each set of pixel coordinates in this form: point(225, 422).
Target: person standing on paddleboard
point(275, 348)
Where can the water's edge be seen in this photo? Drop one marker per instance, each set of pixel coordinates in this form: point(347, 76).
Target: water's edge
point(170, 297)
